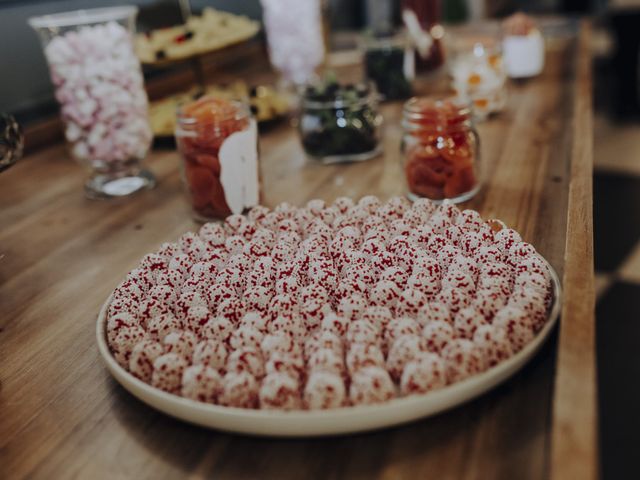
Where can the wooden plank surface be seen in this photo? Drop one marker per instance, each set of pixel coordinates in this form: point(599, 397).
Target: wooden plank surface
point(61, 254)
point(574, 441)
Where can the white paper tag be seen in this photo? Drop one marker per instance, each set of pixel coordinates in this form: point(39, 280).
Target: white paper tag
point(239, 168)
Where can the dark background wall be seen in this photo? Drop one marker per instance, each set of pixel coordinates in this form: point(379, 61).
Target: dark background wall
point(24, 79)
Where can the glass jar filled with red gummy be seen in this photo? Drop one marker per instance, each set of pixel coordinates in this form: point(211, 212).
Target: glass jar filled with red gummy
point(202, 128)
point(440, 149)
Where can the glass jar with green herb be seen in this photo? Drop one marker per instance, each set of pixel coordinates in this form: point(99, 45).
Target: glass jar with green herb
point(340, 123)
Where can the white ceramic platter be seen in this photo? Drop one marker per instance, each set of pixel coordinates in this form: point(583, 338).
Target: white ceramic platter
point(344, 420)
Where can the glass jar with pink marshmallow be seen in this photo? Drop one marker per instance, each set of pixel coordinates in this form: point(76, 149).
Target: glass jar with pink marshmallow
point(98, 82)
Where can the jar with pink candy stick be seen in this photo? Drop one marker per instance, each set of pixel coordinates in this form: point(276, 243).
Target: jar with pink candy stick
point(99, 85)
point(295, 36)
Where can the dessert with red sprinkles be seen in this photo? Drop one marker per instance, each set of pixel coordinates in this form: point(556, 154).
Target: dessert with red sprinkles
point(329, 305)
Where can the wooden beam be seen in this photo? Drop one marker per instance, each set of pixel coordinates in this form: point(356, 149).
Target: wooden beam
point(574, 435)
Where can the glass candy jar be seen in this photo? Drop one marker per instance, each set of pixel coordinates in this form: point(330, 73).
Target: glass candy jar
point(99, 85)
point(295, 38)
point(340, 123)
point(218, 140)
point(523, 46)
point(441, 152)
point(477, 68)
point(479, 78)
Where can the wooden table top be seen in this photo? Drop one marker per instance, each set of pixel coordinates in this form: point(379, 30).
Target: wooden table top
point(63, 416)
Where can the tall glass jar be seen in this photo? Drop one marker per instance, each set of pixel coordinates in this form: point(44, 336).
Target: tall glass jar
point(218, 141)
point(441, 154)
point(477, 69)
point(99, 85)
point(295, 37)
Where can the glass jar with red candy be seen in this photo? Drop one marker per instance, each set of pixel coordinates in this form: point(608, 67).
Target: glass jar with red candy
point(440, 149)
point(218, 141)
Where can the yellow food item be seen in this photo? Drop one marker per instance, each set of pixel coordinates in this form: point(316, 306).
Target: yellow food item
point(474, 79)
point(481, 102)
point(266, 103)
point(495, 61)
point(212, 30)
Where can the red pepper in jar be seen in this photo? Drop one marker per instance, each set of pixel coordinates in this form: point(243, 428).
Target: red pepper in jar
point(440, 149)
point(203, 126)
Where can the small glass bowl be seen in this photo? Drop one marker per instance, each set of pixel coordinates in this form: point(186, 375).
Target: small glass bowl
point(343, 125)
